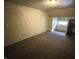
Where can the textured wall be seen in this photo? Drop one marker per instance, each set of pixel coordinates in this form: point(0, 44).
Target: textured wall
point(68, 12)
point(23, 22)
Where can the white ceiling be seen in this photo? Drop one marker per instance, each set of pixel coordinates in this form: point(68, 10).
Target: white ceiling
point(46, 5)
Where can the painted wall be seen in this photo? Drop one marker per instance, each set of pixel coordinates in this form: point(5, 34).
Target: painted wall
point(49, 23)
point(22, 22)
point(68, 12)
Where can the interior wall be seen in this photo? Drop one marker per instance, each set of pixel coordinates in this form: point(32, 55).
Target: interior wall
point(68, 12)
point(22, 22)
point(49, 23)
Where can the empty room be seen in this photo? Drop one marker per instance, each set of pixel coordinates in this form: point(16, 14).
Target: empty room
point(39, 29)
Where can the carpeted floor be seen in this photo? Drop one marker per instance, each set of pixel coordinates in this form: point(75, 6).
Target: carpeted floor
point(43, 46)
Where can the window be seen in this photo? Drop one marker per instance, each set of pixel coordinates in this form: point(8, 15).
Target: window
point(63, 22)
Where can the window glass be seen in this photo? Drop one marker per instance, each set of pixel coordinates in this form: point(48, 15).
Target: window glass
point(63, 22)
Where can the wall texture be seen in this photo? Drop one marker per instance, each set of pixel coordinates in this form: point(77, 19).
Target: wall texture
point(68, 12)
point(23, 22)
point(49, 23)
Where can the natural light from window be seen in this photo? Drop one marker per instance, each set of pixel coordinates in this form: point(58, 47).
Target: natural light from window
point(63, 22)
